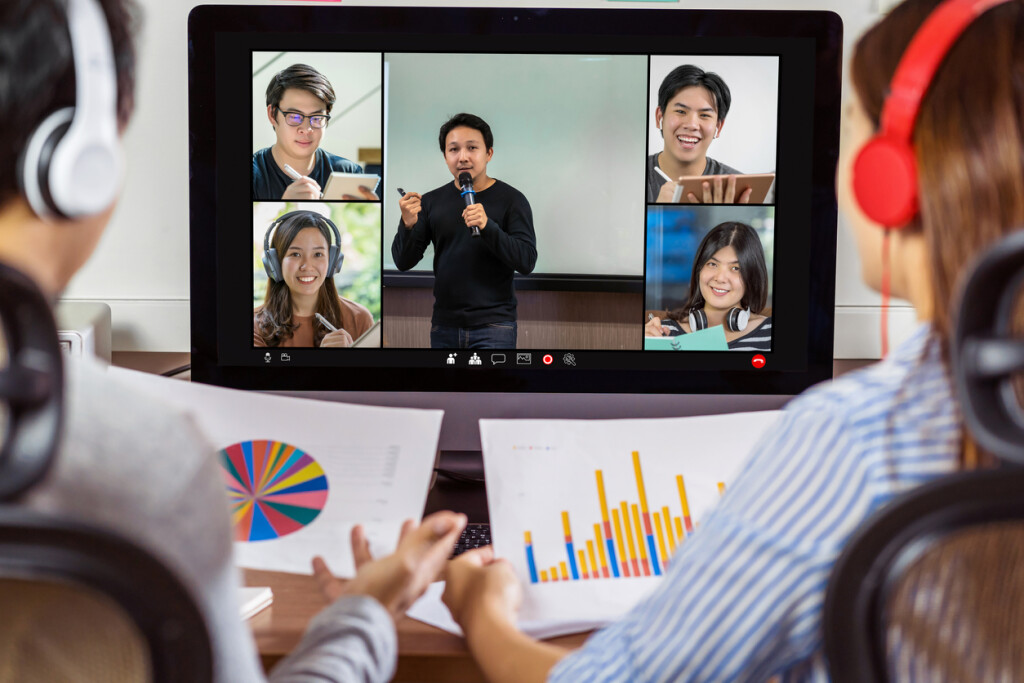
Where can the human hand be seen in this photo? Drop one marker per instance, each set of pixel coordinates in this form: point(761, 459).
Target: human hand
point(654, 328)
point(666, 193)
point(713, 192)
point(302, 188)
point(476, 584)
point(410, 206)
point(474, 215)
point(364, 193)
point(398, 580)
point(338, 338)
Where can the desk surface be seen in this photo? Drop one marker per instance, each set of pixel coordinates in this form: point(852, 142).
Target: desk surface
point(425, 653)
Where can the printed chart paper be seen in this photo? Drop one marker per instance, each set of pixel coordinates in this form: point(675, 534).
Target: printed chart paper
point(590, 512)
point(301, 473)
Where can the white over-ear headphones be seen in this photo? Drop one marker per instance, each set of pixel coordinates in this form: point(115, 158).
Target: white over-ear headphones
point(72, 165)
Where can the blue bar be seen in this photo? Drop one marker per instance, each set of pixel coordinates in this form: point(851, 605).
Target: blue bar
point(654, 555)
point(572, 562)
point(530, 563)
point(611, 556)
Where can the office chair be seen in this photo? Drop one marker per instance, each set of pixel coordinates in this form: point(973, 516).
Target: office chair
point(76, 602)
point(932, 587)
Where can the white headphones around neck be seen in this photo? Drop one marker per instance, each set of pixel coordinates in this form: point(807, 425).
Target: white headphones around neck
point(72, 163)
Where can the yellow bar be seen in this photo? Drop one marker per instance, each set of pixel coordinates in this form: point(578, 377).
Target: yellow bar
point(682, 495)
point(629, 530)
point(661, 539)
point(640, 482)
point(679, 530)
point(639, 531)
point(593, 557)
point(618, 535)
point(554, 573)
point(667, 516)
point(529, 538)
point(721, 488)
point(565, 570)
point(583, 564)
point(543, 575)
point(565, 523)
point(600, 546)
point(601, 496)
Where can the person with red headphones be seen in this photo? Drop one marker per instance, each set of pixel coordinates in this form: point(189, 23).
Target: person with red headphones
point(931, 172)
point(129, 463)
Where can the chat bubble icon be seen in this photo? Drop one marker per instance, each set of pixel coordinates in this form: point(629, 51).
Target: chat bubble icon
point(497, 359)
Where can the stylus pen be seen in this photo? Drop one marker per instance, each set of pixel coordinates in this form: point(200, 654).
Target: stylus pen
point(400, 191)
point(679, 188)
point(296, 175)
point(326, 324)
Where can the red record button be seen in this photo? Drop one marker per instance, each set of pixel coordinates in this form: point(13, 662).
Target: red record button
point(548, 359)
point(758, 361)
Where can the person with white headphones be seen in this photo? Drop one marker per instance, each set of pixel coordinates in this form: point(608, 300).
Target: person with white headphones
point(930, 174)
point(129, 463)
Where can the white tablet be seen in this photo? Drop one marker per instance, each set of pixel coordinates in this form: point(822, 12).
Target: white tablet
point(342, 186)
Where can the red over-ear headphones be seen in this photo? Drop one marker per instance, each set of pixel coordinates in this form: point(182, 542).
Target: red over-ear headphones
point(885, 170)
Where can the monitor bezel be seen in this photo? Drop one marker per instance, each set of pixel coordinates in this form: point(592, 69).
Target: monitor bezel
point(206, 23)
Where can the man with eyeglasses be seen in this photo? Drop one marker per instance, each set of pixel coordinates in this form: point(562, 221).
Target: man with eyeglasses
point(299, 102)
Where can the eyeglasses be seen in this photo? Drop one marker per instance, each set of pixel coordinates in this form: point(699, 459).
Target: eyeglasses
point(295, 118)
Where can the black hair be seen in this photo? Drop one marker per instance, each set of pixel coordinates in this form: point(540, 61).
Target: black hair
point(300, 77)
point(753, 270)
point(688, 75)
point(469, 121)
point(37, 72)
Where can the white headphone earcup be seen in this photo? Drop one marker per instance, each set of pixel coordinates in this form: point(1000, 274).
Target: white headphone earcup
point(698, 320)
point(738, 319)
point(84, 172)
point(35, 160)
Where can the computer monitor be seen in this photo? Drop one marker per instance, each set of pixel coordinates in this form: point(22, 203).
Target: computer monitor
point(587, 110)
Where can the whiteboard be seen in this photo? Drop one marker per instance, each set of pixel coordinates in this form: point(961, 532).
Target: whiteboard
point(569, 133)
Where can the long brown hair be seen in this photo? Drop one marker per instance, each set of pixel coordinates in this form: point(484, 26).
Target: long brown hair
point(273, 320)
point(968, 140)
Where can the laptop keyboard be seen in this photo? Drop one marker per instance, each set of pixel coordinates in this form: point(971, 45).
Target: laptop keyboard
point(475, 535)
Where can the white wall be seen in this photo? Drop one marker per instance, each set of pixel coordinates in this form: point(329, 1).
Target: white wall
point(141, 267)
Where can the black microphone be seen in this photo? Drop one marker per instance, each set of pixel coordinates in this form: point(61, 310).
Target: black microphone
point(466, 183)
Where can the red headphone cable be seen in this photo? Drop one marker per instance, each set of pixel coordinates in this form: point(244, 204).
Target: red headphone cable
point(885, 292)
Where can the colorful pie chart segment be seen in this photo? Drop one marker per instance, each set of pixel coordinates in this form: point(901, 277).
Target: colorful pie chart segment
point(275, 488)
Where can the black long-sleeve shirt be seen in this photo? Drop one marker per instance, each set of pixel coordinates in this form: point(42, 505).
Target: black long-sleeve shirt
point(473, 276)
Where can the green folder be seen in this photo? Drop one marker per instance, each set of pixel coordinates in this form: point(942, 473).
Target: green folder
point(711, 339)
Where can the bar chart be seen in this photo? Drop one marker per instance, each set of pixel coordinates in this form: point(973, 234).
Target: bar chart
point(591, 514)
point(629, 540)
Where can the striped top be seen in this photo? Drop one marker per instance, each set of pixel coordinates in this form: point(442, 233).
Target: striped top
point(743, 598)
point(758, 339)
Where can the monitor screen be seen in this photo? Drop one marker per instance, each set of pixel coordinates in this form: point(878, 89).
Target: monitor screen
point(526, 201)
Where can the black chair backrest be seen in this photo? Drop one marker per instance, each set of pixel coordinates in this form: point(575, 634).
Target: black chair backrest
point(45, 548)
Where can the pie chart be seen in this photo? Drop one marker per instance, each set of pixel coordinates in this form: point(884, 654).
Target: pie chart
point(275, 488)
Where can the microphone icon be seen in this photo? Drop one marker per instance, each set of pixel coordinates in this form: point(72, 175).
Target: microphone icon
point(466, 183)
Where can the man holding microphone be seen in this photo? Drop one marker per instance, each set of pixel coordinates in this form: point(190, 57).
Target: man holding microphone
point(482, 232)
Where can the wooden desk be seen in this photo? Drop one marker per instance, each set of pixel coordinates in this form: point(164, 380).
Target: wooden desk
point(425, 654)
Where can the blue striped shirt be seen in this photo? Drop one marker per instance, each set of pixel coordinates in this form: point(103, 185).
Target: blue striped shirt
point(743, 598)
